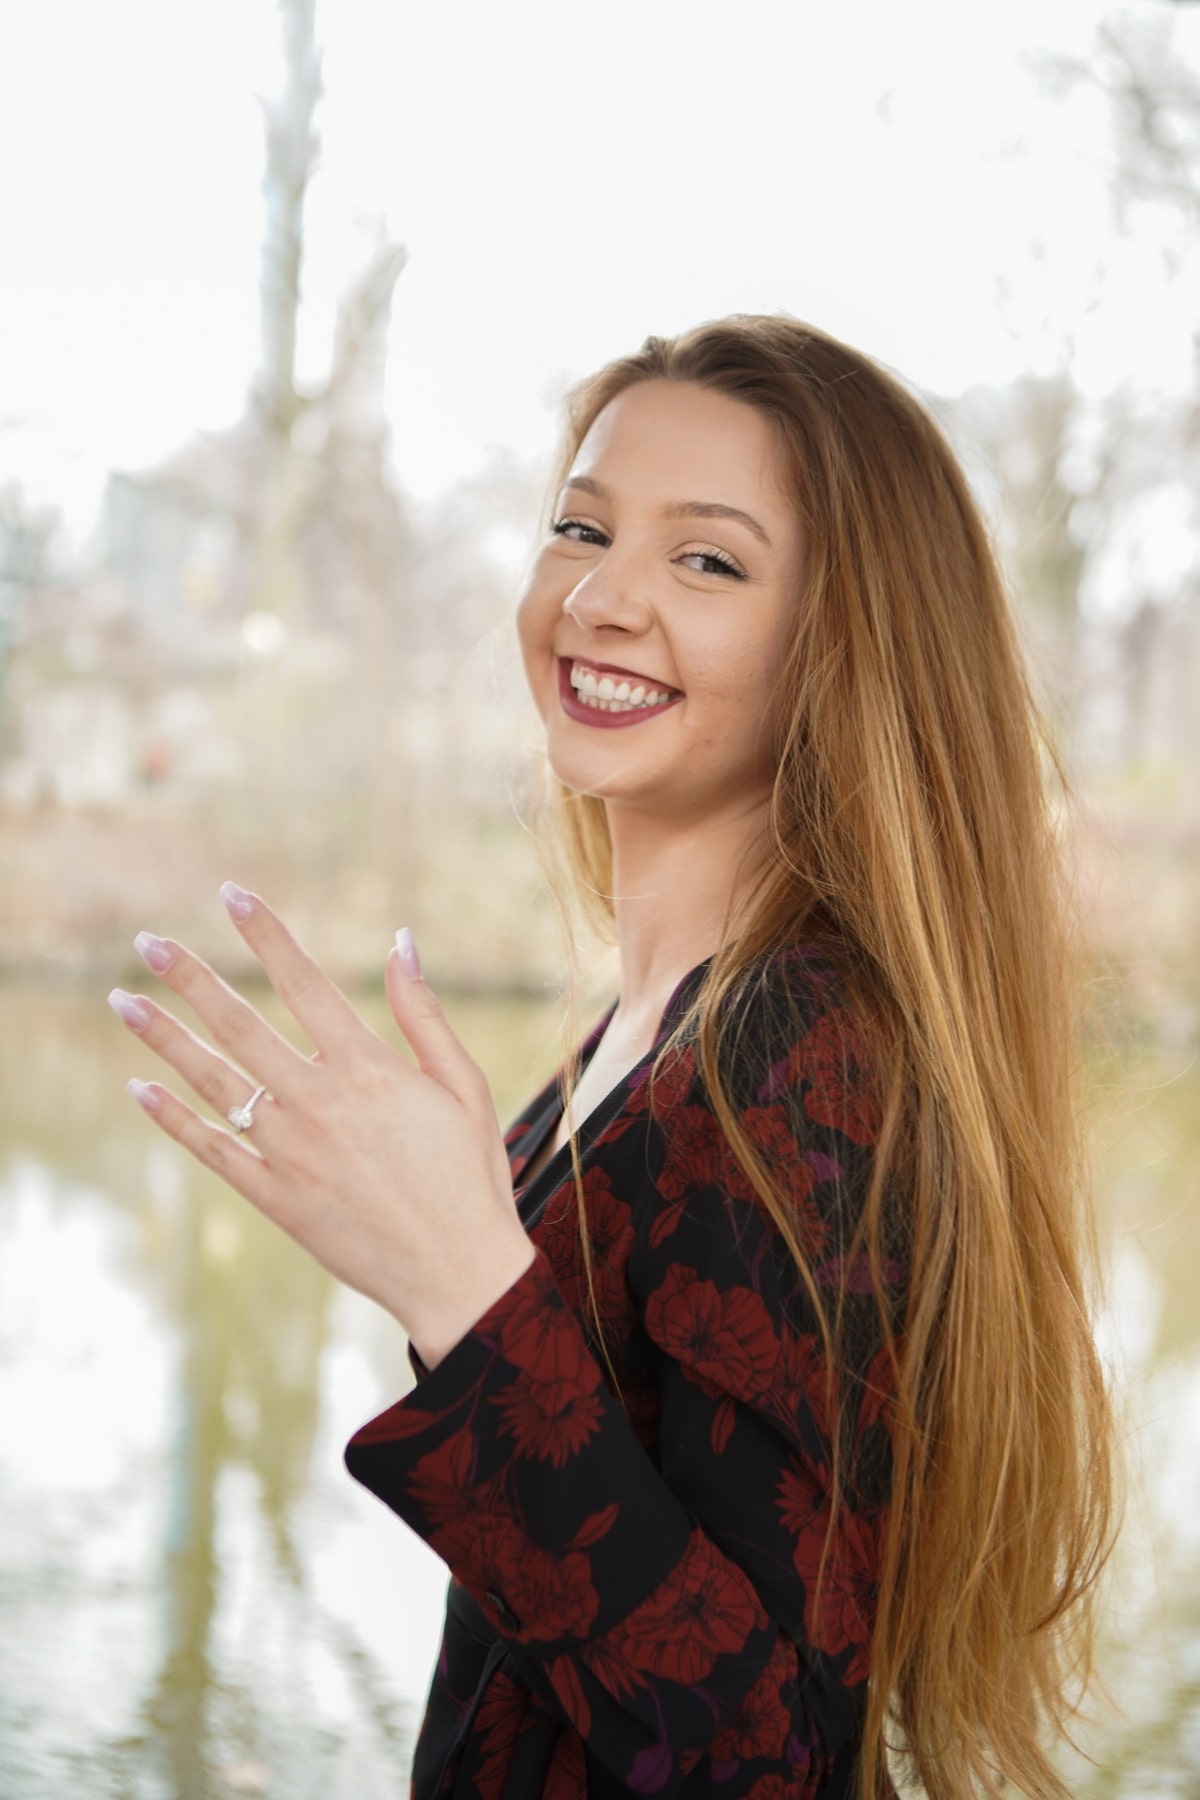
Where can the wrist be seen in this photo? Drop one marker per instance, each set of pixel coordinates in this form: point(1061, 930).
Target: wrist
point(438, 1329)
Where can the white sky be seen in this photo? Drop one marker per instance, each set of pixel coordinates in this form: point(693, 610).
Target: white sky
point(566, 179)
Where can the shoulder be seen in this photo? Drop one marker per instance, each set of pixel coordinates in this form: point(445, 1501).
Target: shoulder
point(771, 1069)
point(795, 1027)
point(776, 1171)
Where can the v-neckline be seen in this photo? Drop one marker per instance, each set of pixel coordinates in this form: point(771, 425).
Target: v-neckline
point(611, 1102)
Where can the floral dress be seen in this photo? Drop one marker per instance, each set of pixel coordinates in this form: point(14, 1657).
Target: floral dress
point(633, 1605)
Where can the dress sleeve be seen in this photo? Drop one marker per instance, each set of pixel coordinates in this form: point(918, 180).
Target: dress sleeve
point(666, 1594)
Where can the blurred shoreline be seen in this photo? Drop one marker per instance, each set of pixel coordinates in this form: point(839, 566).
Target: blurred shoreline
point(79, 883)
point(77, 886)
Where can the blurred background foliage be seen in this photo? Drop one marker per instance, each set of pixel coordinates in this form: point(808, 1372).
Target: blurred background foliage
point(268, 661)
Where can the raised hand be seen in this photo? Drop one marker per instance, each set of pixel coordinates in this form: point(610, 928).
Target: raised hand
point(395, 1178)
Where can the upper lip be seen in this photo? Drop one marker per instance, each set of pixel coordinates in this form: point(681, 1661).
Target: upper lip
point(603, 668)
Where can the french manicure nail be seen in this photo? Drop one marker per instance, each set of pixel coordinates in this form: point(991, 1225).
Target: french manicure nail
point(410, 962)
point(238, 903)
point(135, 1013)
point(145, 1096)
point(154, 952)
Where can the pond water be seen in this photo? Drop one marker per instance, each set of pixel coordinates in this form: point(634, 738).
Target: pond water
point(197, 1601)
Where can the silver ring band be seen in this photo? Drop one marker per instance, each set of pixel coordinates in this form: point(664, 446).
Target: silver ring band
point(242, 1117)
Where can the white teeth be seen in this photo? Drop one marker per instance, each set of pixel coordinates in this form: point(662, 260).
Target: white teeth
point(607, 695)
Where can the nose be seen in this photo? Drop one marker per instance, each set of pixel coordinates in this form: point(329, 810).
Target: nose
point(608, 597)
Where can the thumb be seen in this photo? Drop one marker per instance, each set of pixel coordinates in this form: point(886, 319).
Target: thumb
point(419, 1014)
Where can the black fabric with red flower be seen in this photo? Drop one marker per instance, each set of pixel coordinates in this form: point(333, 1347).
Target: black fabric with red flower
point(646, 1597)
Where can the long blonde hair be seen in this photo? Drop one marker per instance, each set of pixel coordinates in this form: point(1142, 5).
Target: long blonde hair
point(913, 818)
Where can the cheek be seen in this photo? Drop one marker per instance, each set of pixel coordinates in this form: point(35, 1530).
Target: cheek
point(536, 615)
point(536, 618)
point(530, 629)
point(740, 678)
point(523, 614)
point(752, 667)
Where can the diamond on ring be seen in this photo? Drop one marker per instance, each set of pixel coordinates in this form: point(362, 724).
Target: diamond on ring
point(242, 1117)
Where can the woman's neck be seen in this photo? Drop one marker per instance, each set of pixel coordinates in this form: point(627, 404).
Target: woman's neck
point(673, 889)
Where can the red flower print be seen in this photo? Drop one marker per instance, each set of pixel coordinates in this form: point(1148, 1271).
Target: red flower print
point(759, 1724)
point(566, 1778)
point(539, 1333)
point(616, 1128)
point(496, 1726)
point(671, 1087)
point(511, 1463)
point(610, 1239)
point(400, 1421)
point(596, 1527)
point(879, 1390)
point(840, 1608)
point(704, 1610)
point(565, 1680)
point(770, 1131)
point(551, 1595)
point(830, 1058)
point(697, 1156)
point(610, 1236)
point(476, 1529)
point(557, 1234)
point(611, 1667)
point(550, 1421)
point(724, 1335)
point(804, 1511)
point(799, 1362)
point(798, 1383)
point(442, 1479)
point(721, 1429)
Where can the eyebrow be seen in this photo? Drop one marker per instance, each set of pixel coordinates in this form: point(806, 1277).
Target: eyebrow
point(679, 509)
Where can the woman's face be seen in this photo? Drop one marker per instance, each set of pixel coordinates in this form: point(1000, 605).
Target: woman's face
point(649, 581)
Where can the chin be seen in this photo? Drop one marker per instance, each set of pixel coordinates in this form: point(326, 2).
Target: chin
point(573, 777)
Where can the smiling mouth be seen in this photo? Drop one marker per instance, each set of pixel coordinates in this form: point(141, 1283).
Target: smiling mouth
point(605, 691)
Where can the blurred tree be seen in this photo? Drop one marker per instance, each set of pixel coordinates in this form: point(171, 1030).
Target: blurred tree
point(1025, 434)
point(1145, 488)
point(28, 545)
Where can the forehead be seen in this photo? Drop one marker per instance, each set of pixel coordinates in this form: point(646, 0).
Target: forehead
point(675, 440)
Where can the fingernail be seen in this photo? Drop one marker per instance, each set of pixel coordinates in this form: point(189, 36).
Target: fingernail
point(135, 1013)
point(145, 1096)
point(156, 954)
point(410, 962)
point(238, 903)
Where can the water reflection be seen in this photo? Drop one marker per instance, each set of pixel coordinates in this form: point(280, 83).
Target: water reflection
point(1148, 1174)
point(196, 1599)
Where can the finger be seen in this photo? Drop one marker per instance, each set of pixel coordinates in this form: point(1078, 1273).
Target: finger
point(231, 1159)
point(233, 1022)
point(313, 1000)
point(420, 1015)
point(207, 1074)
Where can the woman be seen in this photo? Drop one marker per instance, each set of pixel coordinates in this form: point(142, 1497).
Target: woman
point(760, 1425)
